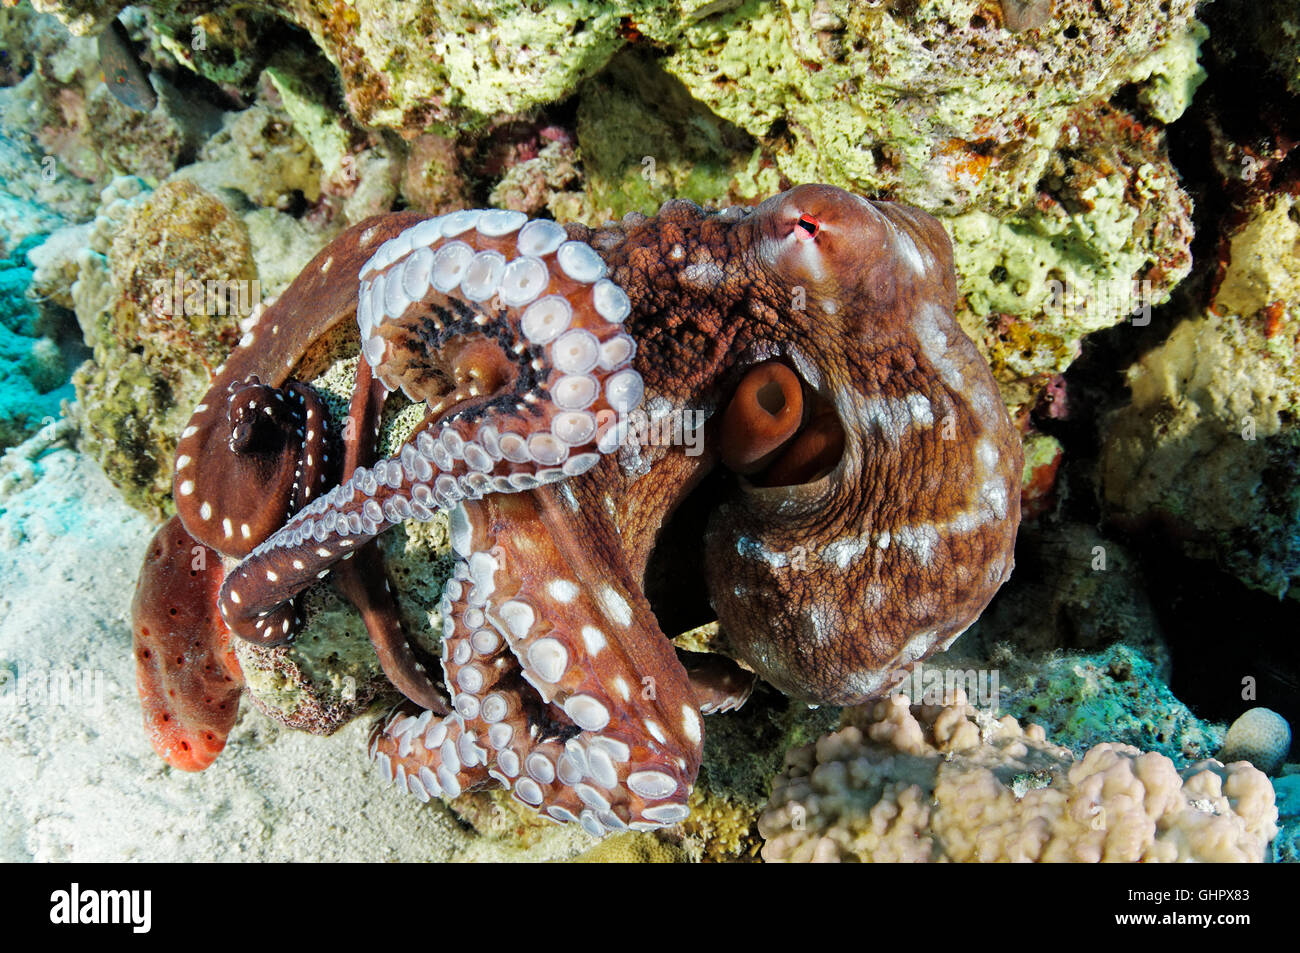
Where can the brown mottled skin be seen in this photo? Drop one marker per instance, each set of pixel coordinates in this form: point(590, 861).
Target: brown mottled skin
point(697, 338)
point(877, 523)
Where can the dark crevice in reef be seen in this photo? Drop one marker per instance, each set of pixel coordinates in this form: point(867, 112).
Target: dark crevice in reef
point(1219, 631)
point(1222, 632)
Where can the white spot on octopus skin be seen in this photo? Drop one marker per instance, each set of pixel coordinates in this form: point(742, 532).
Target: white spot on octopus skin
point(691, 724)
point(562, 590)
point(615, 605)
point(593, 639)
point(908, 251)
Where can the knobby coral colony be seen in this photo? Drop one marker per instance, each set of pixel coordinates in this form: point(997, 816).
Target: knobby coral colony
point(816, 333)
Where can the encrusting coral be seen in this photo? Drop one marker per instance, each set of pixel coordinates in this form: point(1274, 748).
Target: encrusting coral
point(950, 783)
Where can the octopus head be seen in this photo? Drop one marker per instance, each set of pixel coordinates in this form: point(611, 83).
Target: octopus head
point(878, 507)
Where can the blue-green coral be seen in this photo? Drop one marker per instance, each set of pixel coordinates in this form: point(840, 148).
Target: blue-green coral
point(34, 370)
point(1116, 695)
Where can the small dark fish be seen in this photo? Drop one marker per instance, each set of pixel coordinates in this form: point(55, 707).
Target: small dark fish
point(126, 76)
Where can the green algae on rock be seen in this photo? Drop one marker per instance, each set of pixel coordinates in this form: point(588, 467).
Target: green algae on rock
point(1107, 239)
point(1118, 694)
point(644, 140)
point(1209, 443)
point(931, 102)
point(174, 277)
point(260, 155)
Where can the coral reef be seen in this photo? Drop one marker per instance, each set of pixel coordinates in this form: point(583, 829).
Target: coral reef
point(1061, 145)
point(1208, 444)
point(159, 296)
point(1116, 695)
point(631, 849)
point(943, 104)
point(1260, 736)
point(1106, 239)
point(34, 368)
point(65, 106)
point(1074, 590)
point(259, 155)
point(432, 180)
point(968, 125)
point(948, 783)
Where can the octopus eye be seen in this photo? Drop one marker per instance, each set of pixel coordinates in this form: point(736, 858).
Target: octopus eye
point(807, 227)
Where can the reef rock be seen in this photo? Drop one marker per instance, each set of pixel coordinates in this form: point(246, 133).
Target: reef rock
point(931, 783)
point(159, 297)
point(1207, 448)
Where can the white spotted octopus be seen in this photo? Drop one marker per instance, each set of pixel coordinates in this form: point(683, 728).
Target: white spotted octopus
point(864, 477)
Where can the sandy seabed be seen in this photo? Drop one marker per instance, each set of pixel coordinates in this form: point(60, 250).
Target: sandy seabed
point(78, 779)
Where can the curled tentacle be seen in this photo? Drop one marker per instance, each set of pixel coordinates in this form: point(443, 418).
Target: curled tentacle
point(236, 472)
point(428, 755)
point(512, 335)
point(598, 744)
point(278, 460)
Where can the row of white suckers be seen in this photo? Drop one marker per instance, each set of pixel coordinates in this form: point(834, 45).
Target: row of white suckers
point(406, 268)
point(386, 293)
point(544, 663)
point(588, 764)
point(594, 760)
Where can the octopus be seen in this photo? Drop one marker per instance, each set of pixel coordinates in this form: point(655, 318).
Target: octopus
point(863, 479)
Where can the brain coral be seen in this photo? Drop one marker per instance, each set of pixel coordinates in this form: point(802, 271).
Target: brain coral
point(930, 783)
point(1260, 736)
